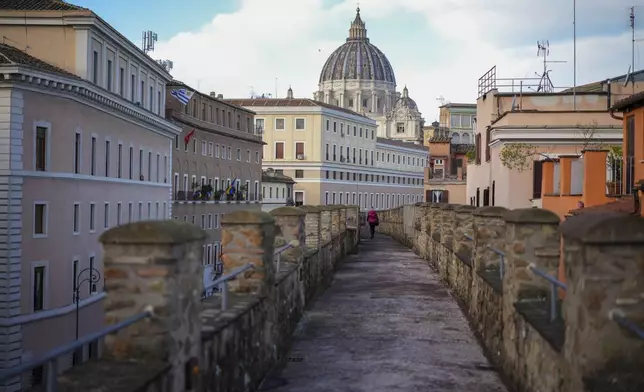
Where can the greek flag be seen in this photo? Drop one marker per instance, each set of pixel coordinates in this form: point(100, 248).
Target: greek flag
point(182, 95)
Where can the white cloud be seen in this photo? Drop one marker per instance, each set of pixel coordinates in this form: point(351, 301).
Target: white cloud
point(275, 43)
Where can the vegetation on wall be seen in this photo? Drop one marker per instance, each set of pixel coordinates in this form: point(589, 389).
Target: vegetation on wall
point(471, 156)
point(518, 156)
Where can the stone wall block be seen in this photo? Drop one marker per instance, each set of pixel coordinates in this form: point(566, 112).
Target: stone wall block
point(604, 271)
point(248, 238)
point(156, 265)
point(335, 221)
point(488, 229)
point(290, 221)
point(312, 225)
point(325, 224)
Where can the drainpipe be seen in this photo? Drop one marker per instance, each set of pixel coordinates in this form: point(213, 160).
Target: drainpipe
point(608, 106)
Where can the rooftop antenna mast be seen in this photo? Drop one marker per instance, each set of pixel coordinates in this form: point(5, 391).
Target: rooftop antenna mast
point(632, 24)
point(543, 50)
point(149, 38)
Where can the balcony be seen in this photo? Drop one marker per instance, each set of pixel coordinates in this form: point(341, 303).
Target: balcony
point(595, 178)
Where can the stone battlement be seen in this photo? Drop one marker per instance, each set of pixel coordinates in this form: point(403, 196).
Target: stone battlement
point(548, 330)
point(195, 344)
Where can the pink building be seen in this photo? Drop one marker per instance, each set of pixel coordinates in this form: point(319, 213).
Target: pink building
point(84, 148)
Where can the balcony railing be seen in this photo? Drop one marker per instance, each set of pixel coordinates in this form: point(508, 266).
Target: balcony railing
point(620, 176)
point(219, 196)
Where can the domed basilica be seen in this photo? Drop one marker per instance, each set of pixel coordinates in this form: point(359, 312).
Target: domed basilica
point(358, 76)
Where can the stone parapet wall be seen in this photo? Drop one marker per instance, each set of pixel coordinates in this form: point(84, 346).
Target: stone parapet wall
point(198, 344)
point(495, 276)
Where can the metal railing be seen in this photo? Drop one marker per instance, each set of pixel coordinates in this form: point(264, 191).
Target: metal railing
point(468, 237)
point(50, 359)
point(618, 316)
point(501, 255)
point(620, 176)
point(278, 255)
point(221, 283)
point(554, 285)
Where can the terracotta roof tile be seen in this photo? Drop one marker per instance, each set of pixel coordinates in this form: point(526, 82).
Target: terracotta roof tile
point(14, 56)
point(285, 102)
point(634, 101)
point(624, 205)
point(39, 5)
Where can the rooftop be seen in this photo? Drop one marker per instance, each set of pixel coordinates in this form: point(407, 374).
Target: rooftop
point(459, 105)
point(399, 143)
point(289, 102)
point(39, 5)
point(634, 101)
point(10, 55)
point(273, 176)
point(178, 83)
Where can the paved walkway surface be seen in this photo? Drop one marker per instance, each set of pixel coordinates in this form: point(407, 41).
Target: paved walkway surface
point(387, 323)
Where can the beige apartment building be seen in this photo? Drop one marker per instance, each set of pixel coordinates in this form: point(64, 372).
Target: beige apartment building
point(334, 155)
point(277, 190)
point(86, 149)
point(218, 149)
point(516, 131)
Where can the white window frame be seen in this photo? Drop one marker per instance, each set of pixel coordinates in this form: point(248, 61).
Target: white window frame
point(91, 256)
point(47, 126)
point(275, 150)
point(106, 215)
point(45, 299)
point(303, 196)
point(92, 217)
point(76, 218)
point(80, 153)
point(295, 124)
point(45, 220)
point(79, 268)
point(283, 122)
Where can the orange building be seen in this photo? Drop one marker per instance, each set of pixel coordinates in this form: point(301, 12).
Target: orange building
point(603, 180)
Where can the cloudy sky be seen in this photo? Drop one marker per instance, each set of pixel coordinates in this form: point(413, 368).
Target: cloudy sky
point(437, 47)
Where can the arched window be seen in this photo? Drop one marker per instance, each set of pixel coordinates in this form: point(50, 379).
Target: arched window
point(465, 139)
point(456, 138)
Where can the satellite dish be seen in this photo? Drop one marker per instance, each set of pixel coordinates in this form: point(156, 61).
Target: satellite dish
point(628, 76)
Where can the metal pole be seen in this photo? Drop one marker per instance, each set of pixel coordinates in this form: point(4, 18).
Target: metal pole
point(633, 45)
point(574, 56)
point(77, 309)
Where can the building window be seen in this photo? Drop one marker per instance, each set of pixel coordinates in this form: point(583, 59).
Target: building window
point(131, 163)
point(40, 220)
point(299, 173)
point(239, 154)
point(299, 123)
point(77, 152)
point(107, 158)
point(106, 216)
point(299, 150)
point(119, 161)
point(279, 150)
point(279, 123)
point(400, 127)
point(121, 81)
point(39, 287)
point(204, 148)
point(299, 198)
point(95, 68)
point(109, 75)
point(133, 88)
point(92, 217)
point(92, 286)
point(92, 162)
point(41, 148)
point(76, 218)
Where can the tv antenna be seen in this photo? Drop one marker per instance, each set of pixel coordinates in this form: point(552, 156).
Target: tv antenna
point(149, 38)
point(442, 100)
point(543, 50)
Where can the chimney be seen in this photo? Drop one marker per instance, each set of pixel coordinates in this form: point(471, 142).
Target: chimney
point(220, 96)
point(213, 94)
point(289, 93)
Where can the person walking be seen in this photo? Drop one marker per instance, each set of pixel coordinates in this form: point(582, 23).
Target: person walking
point(372, 219)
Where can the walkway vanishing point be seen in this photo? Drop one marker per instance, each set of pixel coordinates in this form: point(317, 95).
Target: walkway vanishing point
point(387, 323)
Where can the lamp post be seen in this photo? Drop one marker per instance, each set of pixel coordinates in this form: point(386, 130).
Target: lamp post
point(93, 278)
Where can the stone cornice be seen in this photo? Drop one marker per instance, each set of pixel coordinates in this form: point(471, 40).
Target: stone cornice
point(216, 129)
point(85, 91)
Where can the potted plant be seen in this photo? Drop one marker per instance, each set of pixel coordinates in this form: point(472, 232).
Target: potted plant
point(218, 194)
point(206, 191)
point(615, 166)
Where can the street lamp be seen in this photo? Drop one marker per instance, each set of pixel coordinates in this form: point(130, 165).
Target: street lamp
point(92, 279)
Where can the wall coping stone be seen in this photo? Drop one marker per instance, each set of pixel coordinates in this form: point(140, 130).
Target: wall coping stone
point(490, 211)
point(447, 206)
point(167, 232)
point(604, 228)
point(244, 217)
point(307, 208)
point(287, 211)
point(434, 205)
point(531, 215)
point(465, 208)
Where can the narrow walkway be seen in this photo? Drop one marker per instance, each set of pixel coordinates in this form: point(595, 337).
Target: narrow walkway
point(387, 323)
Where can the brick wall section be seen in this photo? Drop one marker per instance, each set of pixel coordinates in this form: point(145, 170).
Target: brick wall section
point(190, 342)
point(604, 258)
